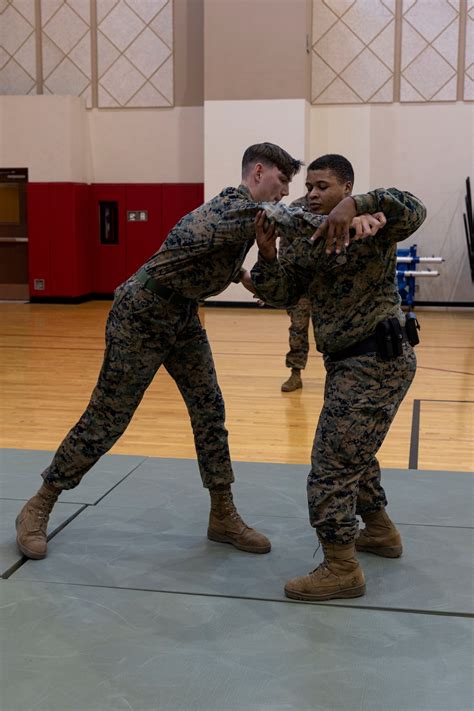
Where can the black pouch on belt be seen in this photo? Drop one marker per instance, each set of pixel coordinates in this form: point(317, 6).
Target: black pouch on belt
point(389, 336)
point(412, 327)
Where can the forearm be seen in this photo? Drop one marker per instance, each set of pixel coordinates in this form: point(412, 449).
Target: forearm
point(239, 276)
point(237, 224)
point(272, 284)
point(282, 282)
point(292, 221)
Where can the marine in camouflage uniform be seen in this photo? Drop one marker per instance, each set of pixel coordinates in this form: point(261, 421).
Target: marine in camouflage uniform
point(300, 315)
point(350, 294)
point(200, 257)
point(153, 322)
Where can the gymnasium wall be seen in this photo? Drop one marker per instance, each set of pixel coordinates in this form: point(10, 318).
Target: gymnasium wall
point(142, 149)
point(393, 94)
point(426, 149)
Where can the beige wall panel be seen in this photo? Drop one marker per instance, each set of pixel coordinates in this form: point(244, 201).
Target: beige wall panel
point(469, 57)
point(427, 150)
point(135, 53)
point(429, 53)
point(47, 134)
point(256, 50)
point(66, 48)
point(189, 53)
point(352, 58)
point(17, 48)
point(279, 121)
point(162, 145)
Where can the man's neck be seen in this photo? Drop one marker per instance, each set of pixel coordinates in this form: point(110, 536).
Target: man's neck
point(244, 183)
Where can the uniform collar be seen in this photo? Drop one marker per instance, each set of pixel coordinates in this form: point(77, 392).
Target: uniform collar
point(241, 191)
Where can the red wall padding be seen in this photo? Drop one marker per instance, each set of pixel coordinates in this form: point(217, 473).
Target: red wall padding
point(63, 231)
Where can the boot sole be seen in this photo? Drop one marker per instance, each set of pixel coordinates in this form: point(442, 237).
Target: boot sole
point(385, 551)
point(23, 549)
point(219, 538)
point(350, 592)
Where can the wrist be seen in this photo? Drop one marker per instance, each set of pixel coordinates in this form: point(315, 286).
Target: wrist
point(364, 204)
point(268, 256)
point(239, 276)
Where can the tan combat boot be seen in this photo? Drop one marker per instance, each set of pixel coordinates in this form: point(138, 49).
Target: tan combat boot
point(338, 576)
point(294, 382)
point(379, 536)
point(226, 526)
point(32, 521)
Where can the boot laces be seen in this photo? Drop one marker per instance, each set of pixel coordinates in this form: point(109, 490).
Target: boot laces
point(44, 509)
point(229, 507)
point(323, 565)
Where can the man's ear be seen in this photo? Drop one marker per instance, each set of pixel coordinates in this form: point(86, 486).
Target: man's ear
point(348, 188)
point(258, 168)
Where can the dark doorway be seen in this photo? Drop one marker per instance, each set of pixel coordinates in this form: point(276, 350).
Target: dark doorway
point(13, 234)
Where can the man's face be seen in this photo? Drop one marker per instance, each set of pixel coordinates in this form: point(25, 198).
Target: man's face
point(272, 185)
point(325, 190)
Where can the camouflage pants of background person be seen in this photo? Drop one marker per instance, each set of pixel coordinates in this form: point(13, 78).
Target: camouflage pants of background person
point(299, 315)
point(362, 396)
point(143, 332)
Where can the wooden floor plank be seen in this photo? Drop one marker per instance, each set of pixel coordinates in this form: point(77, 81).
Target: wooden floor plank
point(51, 355)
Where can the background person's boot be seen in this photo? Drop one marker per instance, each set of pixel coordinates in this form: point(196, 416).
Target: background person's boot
point(294, 382)
point(226, 526)
point(380, 536)
point(338, 576)
point(32, 522)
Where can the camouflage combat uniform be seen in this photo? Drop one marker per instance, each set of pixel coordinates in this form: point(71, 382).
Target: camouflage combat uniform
point(300, 314)
point(202, 254)
point(350, 293)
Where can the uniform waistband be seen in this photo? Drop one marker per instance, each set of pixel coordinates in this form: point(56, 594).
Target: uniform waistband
point(364, 347)
point(153, 285)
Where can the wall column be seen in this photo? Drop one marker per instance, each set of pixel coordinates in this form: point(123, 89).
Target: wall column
point(256, 88)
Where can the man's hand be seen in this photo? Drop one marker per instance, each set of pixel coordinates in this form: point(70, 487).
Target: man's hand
point(367, 225)
point(246, 280)
point(335, 229)
point(266, 236)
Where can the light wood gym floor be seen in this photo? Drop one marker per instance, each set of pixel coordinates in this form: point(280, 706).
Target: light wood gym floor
point(51, 356)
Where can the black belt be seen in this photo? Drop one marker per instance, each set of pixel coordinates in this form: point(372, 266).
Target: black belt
point(364, 347)
point(150, 284)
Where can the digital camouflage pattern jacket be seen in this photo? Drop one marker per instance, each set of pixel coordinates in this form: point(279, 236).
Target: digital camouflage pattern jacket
point(350, 292)
point(205, 250)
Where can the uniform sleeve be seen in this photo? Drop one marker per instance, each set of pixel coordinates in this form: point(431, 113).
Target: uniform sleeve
point(284, 281)
point(237, 223)
point(405, 213)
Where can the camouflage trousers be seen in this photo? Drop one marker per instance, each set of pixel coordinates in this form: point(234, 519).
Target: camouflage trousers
point(144, 332)
point(299, 315)
point(362, 396)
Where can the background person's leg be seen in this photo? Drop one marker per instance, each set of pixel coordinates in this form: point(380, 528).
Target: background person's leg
point(297, 356)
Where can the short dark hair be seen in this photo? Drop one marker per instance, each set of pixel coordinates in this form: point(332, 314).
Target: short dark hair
point(339, 165)
point(270, 154)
